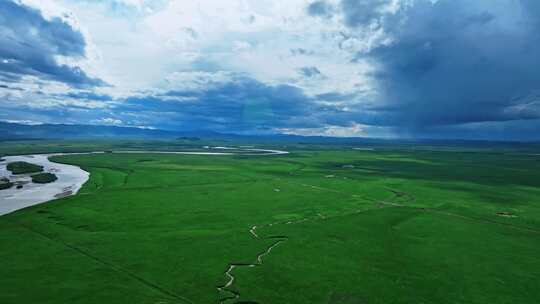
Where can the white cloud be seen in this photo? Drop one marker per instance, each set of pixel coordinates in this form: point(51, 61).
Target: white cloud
point(145, 48)
point(356, 130)
point(23, 122)
point(145, 51)
point(108, 121)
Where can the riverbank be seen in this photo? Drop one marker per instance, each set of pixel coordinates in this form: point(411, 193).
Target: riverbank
point(71, 178)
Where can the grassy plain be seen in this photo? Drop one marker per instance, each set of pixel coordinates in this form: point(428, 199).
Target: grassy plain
point(333, 225)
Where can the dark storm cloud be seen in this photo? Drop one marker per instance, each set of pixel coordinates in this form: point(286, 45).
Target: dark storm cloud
point(453, 62)
point(240, 105)
point(320, 8)
point(335, 96)
point(55, 114)
point(361, 12)
point(29, 44)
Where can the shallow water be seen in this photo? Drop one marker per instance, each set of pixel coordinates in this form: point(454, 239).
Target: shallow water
point(240, 151)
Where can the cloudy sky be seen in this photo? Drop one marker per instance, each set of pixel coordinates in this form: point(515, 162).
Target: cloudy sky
point(378, 68)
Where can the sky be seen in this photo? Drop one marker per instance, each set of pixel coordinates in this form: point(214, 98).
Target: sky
point(438, 69)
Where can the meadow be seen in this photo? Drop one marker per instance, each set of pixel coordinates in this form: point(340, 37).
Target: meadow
point(320, 225)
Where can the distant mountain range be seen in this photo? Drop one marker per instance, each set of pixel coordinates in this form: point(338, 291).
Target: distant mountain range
point(15, 131)
point(11, 131)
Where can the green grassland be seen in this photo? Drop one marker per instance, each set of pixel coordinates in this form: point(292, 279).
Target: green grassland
point(333, 225)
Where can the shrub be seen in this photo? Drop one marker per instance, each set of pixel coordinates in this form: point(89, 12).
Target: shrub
point(44, 178)
point(23, 168)
point(5, 183)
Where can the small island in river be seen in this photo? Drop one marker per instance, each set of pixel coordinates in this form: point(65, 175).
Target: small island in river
point(35, 173)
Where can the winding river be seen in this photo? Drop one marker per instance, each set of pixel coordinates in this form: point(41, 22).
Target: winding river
point(71, 178)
